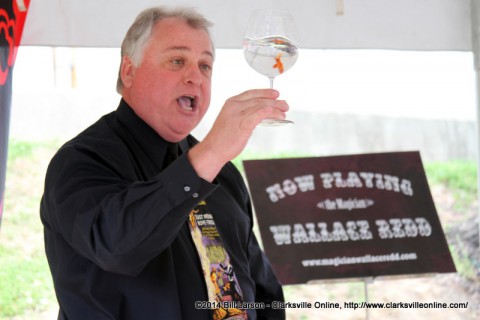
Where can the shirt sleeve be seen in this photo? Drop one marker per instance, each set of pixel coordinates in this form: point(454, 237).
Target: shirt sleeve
point(119, 222)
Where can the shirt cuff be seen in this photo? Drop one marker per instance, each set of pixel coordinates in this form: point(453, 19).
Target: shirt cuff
point(183, 183)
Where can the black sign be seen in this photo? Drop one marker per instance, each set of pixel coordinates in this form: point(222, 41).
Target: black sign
point(347, 216)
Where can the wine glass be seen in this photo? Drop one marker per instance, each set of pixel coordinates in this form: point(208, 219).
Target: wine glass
point(270, 46)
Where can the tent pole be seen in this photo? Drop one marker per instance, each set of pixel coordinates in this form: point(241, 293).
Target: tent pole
point(475, 28)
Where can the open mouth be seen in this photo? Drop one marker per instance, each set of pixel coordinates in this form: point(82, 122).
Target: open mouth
point(187, 102)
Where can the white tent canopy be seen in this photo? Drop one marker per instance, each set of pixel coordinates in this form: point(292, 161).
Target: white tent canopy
point(365, 24)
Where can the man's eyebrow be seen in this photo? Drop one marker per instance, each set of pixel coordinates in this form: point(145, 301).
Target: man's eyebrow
point(186, 48)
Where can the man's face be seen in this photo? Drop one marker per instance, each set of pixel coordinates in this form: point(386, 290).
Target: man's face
point(170, 89)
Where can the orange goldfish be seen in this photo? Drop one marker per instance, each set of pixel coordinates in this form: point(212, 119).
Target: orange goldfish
point(279, 41)
point(278, 63)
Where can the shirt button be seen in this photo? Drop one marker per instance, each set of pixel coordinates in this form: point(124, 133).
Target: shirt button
point(186, 188)
point(195, 195)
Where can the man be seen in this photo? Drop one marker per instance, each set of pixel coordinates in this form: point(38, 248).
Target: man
point(124, 215)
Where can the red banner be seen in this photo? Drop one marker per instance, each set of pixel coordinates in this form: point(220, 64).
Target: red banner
point(355, 216)
point(12, 19)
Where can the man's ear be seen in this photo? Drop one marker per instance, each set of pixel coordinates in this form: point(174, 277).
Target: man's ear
point(127, 71)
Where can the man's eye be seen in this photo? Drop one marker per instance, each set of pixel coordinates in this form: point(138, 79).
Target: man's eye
point(206, 67)
point(177, 61)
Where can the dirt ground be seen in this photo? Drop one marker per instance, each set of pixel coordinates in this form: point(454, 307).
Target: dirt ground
point(449, 288)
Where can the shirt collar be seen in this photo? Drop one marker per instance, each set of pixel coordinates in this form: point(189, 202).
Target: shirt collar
point(143, 135)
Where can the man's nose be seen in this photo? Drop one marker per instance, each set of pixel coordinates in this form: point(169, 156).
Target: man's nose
point(193, 75)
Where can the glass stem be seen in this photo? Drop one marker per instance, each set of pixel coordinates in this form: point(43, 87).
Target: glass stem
point(271, 82)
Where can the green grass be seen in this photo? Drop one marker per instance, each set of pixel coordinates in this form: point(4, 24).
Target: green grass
point(248, 155)
point(20, 149)
point(458, 176)
point(25, 281)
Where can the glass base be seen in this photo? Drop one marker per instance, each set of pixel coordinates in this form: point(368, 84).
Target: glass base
point(275, 123)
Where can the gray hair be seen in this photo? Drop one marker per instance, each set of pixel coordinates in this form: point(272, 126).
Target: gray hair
point(140, 31)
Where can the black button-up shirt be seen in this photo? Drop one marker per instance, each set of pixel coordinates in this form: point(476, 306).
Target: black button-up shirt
point(116, 235)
